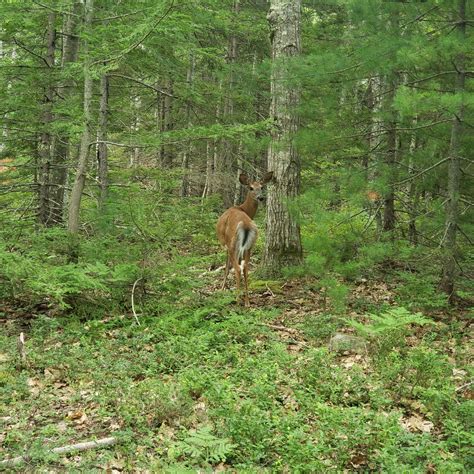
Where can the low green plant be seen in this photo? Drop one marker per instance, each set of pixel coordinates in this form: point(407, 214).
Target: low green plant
point(200, 447)
point(388, 330)
point(420, 293)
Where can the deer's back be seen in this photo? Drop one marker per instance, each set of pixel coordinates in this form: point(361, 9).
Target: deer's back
point(228, 222)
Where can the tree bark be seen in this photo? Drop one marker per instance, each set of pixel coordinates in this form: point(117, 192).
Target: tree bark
point(185, 185)
point(371, 161)
point(447, 283)
point(166, 124)
point(283, 241)
point(80, 178)
point(102, 155)
point(44, 152)
point(60, 146)
point(412, 191)
point(391, 160)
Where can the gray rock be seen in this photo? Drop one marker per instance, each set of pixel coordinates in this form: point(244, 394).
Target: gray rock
point(341, 342)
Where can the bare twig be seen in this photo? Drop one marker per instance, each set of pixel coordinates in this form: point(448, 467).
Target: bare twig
point(133, 300)
point(100, 443)
point(462, 387)
point(269, 290)
point(280, 328)
point(21, 348)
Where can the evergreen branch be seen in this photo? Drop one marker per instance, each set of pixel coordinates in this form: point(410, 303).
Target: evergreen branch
point(116, 17)
point(149, 86)
point(25, 48)
point(411, 178)
point(403, 129)
point(355, 66)
point(48, 7)
point(139, 42)
point(433, 76)
point(420, 16)
point(465, 235)
point(347, 219)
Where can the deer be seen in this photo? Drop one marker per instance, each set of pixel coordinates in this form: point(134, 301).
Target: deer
point(238, 233)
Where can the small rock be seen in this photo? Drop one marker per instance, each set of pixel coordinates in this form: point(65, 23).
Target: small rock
point(346, 342)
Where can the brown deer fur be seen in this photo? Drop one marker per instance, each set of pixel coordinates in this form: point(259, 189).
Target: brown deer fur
point(238, 233)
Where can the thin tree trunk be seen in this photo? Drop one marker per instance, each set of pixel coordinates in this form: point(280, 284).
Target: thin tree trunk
point(447, 283)
point(390, 160)
point(166, 108)
point(188, 146)
point(238, 197)
point(413, 194)
point(60, 151)
point(102, 155)
point(207, 191)
point(228, 146)
point(46, 119)
point(371, 161)
point(283, 241)
point(80, 178)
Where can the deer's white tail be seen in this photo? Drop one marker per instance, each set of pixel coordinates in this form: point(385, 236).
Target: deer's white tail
point(245, 240)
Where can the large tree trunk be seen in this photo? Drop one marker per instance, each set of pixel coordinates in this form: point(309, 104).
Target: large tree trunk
point(283, 241)
point(44, 178)
point(102, 156)
point(80, 178)
point(454, 171)
point(60, 147)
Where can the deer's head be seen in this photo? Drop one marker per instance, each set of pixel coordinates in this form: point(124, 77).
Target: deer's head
point(255, 187)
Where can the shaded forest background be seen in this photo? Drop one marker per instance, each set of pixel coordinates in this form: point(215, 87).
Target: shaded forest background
point(125, 126)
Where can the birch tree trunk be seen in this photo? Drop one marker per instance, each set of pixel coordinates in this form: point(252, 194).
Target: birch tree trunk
point(454, 170)
point(80, 178)
point(283, 241)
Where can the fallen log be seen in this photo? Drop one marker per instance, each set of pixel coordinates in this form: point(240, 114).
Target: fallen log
point(70, 448)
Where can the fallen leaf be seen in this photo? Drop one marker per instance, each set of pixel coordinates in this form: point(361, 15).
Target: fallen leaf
point(416, 423)
point(79, 417)
point(62, 427)
point(34, 385)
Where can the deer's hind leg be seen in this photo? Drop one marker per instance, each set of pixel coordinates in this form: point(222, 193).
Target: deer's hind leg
point(246, 277)
point(237, 270)
point(226, 273)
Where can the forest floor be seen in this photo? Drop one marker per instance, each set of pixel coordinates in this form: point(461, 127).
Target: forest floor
point(203, 384)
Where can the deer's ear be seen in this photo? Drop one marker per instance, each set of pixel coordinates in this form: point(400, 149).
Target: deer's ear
point(267, 177)
point(244, 179)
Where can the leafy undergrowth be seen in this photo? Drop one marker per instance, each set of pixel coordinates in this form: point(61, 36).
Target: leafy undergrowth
point(204, 384)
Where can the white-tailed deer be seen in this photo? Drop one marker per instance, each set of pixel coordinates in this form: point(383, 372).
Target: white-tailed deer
point(238, 233)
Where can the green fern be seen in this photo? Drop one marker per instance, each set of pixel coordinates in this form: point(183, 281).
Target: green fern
point(202, 445)
point(395, 319)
